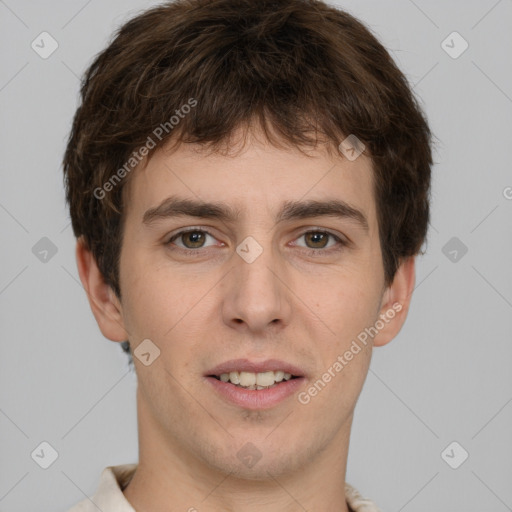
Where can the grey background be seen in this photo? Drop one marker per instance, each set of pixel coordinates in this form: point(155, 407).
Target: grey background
point(445, 378)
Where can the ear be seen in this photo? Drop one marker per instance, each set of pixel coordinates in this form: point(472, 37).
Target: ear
point(395, 302)
point(104, 303)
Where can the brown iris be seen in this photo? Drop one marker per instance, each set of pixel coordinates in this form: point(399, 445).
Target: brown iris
point(318, 237)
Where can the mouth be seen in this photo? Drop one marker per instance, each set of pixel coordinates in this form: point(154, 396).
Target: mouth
point(255, 381)
point(252, 385)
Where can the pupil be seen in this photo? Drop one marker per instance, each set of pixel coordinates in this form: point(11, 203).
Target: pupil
point(195, 236)
point(320, 235)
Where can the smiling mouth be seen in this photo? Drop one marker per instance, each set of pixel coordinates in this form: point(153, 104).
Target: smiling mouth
point(255, 381)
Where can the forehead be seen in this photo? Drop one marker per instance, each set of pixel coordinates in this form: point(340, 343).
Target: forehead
point(259, 177)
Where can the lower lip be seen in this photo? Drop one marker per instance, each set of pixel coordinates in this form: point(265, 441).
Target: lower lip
point(256, 398)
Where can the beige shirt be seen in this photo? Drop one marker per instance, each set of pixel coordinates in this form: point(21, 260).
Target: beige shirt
point(109, 496)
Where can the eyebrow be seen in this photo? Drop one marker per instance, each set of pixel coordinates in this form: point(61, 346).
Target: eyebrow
point(178, 207)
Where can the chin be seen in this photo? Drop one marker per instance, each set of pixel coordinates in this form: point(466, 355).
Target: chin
point(259, 464)
point(263, 470)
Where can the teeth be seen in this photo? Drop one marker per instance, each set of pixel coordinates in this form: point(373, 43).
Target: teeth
point(265, 379)
point(278, 376)
point(252, 380)
point(247, 379)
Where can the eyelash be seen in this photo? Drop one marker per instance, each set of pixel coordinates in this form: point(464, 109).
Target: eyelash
point(313, 252)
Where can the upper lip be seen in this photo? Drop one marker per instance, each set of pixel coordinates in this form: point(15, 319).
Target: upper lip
point(245, 365)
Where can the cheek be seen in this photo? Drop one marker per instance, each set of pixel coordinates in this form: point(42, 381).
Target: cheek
point(162, 307)
point(345, 353)
point(149, 301)
point(344, 350)
point(350, 304)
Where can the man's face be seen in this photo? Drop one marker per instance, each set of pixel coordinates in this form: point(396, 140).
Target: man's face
point(250, 288)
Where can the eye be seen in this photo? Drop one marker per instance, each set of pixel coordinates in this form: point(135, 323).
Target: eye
point(319, 240)
point(193, 238)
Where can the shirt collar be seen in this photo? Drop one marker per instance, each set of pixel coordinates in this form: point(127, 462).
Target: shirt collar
point(109, 496)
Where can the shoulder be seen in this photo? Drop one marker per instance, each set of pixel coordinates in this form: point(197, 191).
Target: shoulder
point(357, 502)
point(109, 495)
point(84, 506)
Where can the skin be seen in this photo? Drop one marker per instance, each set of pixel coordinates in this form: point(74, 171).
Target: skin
point(201, 311)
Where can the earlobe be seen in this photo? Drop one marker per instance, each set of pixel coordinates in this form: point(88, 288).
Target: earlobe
point(105, 306)
point(395, 302)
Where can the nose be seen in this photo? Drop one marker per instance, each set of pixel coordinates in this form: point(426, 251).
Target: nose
point(256, 294)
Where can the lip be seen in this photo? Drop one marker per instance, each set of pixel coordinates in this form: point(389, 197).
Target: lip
point(245, 365)
point(255, 399)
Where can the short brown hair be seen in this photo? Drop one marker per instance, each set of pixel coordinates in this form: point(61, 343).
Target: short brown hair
point(303, 69)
